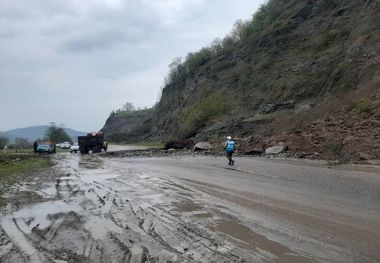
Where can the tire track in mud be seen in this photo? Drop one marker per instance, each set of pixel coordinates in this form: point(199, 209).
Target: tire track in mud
point(106, 211)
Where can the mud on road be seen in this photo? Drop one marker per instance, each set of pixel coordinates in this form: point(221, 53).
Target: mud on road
point(192, 209)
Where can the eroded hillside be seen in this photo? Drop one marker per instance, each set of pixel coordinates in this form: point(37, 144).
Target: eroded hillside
point(302, 72)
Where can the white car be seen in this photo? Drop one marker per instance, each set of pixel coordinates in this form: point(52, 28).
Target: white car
point(65, 145)
point(74, 148)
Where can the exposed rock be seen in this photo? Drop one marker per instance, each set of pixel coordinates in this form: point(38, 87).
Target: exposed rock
point(182, 144)
point(304, 107)
point(297, 143)
point(278, 149)
point(374, 162)
point(202, 146)
point(269, 108)
point(254, 150)
point(364, 156)
point(251, 146)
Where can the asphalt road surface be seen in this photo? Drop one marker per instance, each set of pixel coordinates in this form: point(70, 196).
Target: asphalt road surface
point(193, 209)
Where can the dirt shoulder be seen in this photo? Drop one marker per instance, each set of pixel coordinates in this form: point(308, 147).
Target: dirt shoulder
point(17, 168)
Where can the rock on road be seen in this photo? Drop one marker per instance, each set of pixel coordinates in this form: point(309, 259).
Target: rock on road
point(193, 209)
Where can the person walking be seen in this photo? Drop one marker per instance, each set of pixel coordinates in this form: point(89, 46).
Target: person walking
point(35, 145)
point(230, 148)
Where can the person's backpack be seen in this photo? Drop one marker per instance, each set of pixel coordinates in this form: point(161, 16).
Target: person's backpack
point(230, 146)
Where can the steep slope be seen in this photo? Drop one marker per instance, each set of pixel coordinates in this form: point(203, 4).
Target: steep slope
point(129, 126)
point(303, 72)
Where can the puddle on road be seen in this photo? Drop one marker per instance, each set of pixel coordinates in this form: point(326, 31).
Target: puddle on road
point(186, 206)
point(202, 215)
point(259, 242)
point(38, 215)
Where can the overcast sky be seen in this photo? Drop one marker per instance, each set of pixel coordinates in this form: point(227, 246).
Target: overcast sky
point(74, 61)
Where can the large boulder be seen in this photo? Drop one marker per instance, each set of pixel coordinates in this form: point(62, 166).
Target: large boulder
point(179, 144)
point(251, 146)
point(277, 149)
point(202, 146)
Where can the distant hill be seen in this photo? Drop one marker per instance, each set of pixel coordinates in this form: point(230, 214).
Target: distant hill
point(36, 132)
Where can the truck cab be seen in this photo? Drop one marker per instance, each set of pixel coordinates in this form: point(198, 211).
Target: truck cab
point(94, 142)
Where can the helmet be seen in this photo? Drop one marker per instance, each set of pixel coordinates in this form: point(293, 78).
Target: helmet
point(229, 137)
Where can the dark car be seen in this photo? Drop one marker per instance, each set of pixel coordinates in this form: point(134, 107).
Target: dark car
point(45, 148)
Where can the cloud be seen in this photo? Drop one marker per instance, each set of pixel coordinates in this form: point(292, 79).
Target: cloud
point(61, 58)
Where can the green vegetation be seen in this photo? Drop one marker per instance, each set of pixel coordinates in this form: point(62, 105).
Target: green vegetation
point(56, 134)
point(14, 168)
point(197, 116)
point(20, 163)
point(263, 21)
point(128, 109)
point(3, 141)
point(361, 106)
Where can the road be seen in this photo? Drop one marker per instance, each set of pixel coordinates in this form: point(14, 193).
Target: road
point(193, 209)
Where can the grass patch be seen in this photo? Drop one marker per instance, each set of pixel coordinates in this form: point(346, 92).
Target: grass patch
point(361, 106)
point(14, 168)
point(206, 110)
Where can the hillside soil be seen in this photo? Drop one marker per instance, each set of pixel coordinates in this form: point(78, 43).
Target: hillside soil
point(193, 209)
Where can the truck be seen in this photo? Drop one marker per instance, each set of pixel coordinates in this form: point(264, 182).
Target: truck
point(94, 142)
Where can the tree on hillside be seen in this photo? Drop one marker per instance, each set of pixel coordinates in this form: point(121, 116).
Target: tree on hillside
point(3, 141)
point(56, 134)
point(128, 107)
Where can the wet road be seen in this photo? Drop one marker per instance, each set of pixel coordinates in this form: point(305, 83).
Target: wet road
point(193, 209)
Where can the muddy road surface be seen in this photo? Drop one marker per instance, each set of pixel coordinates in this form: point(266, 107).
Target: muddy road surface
point(193, 209)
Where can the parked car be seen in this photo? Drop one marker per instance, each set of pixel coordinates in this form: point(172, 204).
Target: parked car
point(45, 148)
point(59, 145)
point(65, 145)
point(74, 148)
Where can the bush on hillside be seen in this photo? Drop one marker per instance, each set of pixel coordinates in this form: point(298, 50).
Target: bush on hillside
point(267, 15)
point(200, 114)
point(361, 106)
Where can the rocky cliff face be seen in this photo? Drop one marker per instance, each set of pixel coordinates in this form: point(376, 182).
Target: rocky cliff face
point(302, 72)
point(129, 126)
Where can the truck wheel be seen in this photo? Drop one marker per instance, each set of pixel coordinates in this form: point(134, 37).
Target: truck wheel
point(97, 149)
